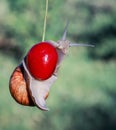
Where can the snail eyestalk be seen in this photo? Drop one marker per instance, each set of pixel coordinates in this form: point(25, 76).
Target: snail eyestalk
point(81, 44)
point(73, 44)
point(65, 32)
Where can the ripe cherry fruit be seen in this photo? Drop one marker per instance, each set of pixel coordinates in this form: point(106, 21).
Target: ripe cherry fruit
point(41, 60)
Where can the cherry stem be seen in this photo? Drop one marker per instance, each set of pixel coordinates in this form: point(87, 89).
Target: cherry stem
point(45, 21)
point(81, 44)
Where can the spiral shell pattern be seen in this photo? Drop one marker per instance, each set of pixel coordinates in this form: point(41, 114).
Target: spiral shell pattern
point(18, 86)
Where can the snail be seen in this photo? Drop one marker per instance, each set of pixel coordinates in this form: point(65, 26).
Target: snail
point(30, 82)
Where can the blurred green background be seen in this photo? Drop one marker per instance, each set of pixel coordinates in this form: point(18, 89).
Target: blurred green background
point(84, 96)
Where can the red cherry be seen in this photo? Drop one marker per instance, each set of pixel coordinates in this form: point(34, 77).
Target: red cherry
point(41, 60)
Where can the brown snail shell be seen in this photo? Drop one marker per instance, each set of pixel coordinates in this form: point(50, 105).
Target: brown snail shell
point(18, 86)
